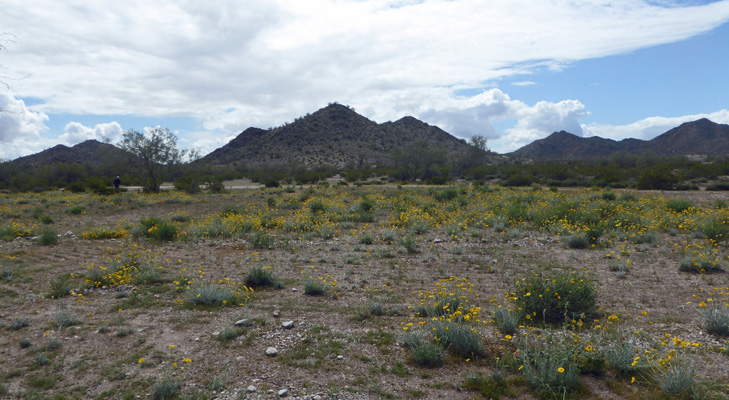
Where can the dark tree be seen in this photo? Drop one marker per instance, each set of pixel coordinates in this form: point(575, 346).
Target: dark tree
point(152, 155)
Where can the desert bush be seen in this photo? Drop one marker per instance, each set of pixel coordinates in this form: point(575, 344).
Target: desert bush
point(262, 277)
point(148, 275)
point(716, 320)
point(314, 288)
point(366, 240)
point(578, 242)
point(678, 379)
point(549, 365)
point(716, 230)
point(423, 352)
point(507, 320)
point(317, 207)
point(704, 263)
point(410, 244)
point(261, 240)
point(210, 296)
point(165, 389)
point(60, 287)
point(557, 299)
point(156, 228)
point(49, 237)
point(678, 205)
point(621, 356)
point(76, 210)
point(231, 333)
point(459, 339)
point(19, 324)
point(492, 387)
point(65, 318)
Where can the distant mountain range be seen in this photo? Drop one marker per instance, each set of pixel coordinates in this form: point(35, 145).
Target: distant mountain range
point(701, 137)
point(337, 136)
point(90, 152)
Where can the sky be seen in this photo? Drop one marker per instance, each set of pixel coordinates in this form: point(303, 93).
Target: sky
point(513, 71)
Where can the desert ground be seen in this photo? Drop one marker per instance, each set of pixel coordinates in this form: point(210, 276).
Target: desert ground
point(364, 292)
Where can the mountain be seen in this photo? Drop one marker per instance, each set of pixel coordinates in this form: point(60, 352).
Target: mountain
point(701, 137)
point(91, 152)
point(335, 136)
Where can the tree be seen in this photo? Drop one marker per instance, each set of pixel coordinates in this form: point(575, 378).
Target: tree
point(153, 155)
point(414, 161)
point(476, 154)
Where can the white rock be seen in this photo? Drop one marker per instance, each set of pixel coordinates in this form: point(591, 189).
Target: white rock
point(251, 389)
point(271, 351)
point(283, 392)
point(288, 325)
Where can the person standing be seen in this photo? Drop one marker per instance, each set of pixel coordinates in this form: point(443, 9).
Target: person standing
point(117, 182)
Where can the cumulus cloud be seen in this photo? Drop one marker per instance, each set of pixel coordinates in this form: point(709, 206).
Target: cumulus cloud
point(20, 128)
point(76, 132)
point(275, 60)
point(468, 116)
point(17, 122)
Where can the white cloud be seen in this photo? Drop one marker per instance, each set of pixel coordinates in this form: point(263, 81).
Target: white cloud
point(273, 60)
point(468, 116)
point(20, 128)
point(17, 122)
point(76, 132)
point(649, 128)
point(524, 83)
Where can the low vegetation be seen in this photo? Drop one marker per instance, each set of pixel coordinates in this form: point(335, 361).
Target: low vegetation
point(416, 292)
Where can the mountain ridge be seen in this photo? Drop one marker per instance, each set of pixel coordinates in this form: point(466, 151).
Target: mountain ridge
point(701, 137)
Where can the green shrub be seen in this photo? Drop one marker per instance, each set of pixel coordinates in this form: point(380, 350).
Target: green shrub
point(716, 320)
point(578, 242)
point(76, 210)
point(19, 324)
point(492, 387)
point(210, 296)
point(423, 352)
point(49, 237)
point(443, 306)
point(165, 389)
point(148, 275)
point(549, 366)
point(701, 265)
point(60, 287)
point(366, 240)
point(314, 288)
point(716, 230)
point(507, 320)
point(678, 379)
point(65, 318)
point(410, 244)
point(678, 205)
point(156, 228)
point(262, 277)
point(621, 356)
point(460, 339)
point(317, 207)
point(216, 187)
point(261, 240)
point(231, 333)
point(558, 299)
